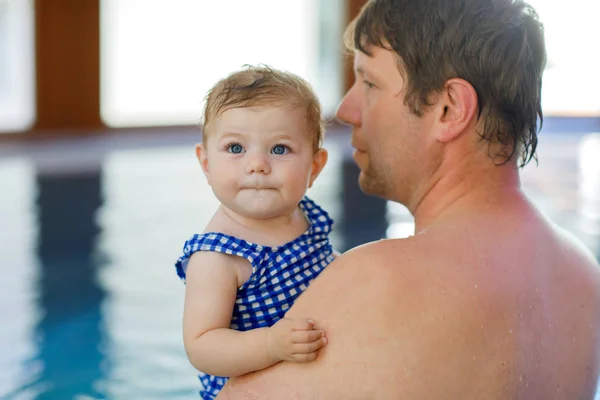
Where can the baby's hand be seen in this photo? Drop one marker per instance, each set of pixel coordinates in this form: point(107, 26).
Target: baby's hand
point(295, 340)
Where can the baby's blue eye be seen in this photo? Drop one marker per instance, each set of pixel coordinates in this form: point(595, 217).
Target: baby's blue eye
point(235, 148)
point(280, 149)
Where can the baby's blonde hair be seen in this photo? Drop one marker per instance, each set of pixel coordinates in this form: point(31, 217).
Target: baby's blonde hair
point(265, 86)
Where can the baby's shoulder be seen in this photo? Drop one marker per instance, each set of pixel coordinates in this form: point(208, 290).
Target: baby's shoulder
point(219, 223)
point(210, 264)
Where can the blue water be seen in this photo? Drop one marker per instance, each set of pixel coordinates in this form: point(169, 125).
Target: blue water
point(90, 305)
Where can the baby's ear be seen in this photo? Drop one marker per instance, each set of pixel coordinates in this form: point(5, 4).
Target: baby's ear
point(202, 157)
point(319, 161)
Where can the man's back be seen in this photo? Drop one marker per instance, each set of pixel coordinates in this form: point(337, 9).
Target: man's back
point(495, 304)
point(488, 300)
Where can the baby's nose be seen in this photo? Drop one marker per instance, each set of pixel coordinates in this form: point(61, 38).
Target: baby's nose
point(258, 163)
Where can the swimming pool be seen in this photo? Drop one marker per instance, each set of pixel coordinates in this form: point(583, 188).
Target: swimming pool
point(89, 301)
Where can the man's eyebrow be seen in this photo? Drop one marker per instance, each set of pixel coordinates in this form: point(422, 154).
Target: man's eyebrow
point(359, 70)
point(364, 72)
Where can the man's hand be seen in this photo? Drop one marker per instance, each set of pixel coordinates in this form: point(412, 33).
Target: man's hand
point(295, 340)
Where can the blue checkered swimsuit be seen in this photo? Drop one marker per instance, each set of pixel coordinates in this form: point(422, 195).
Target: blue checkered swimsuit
point(279, 275)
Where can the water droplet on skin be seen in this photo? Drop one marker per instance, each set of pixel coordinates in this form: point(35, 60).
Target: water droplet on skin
point(476, 286)
point(510, 331)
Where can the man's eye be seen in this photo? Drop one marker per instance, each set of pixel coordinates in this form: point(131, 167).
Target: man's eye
point(280, 149)
point(235, 148)
point(368, 84)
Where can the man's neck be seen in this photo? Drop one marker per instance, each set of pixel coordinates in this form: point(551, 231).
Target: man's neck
point(464, 185)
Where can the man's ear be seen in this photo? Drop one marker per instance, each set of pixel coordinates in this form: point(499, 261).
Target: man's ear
point(457, 105)
point(202, 157)
point(319, 161)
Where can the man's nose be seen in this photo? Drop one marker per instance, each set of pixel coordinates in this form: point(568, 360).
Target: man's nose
point(258, 164)
point(348, 112)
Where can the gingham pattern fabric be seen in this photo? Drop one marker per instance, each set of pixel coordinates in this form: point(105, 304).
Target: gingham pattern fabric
point(279, 274)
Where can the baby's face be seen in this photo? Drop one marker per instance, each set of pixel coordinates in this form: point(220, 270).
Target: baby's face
point(259, 161)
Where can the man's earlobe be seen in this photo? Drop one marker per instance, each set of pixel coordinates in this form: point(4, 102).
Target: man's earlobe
point(459, 108)
point(319, 162)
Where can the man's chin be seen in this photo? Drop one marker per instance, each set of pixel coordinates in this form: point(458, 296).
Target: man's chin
point(370, 185)
point(365, 183)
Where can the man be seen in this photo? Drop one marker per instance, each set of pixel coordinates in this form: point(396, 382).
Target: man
point(489, 299)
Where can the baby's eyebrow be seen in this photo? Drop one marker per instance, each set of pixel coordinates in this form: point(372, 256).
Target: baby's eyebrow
point(231, 134)
point(273, 136)
point(283, 137)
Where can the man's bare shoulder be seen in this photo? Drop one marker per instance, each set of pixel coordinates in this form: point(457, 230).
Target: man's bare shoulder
point(375, 306)
point(336, 300)
point(582, 253)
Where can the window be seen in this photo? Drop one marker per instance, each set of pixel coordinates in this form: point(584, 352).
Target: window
point(159, 57)
point(571, 80)
point(17, 88)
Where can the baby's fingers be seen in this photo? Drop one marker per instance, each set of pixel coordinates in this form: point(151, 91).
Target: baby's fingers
point(307, 348)
point(307, 336)
point(302, 324)
point(303, 358)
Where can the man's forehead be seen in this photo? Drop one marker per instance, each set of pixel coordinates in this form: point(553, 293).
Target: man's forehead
point(361, 61)
point(369, 63)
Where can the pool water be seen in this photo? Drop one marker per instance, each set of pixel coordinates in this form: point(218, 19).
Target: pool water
point(90, 304)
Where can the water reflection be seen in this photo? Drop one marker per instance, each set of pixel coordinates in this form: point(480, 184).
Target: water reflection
point(69, 297)
point(364, 217)
point(94, 308)
point(589, 191)
point(154, 199)
point(18, 274)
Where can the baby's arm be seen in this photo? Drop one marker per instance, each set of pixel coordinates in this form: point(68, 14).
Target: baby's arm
point(212, 347)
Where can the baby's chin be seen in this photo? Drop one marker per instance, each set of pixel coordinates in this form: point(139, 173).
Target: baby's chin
point(262, 204)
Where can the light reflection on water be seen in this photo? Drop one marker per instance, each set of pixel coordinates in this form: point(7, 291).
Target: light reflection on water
point(89, 301)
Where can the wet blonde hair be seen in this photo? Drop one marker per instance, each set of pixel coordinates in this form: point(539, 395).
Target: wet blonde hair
point(265, 86)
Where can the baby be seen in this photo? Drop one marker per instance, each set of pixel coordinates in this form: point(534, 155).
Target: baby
point(261, 151)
